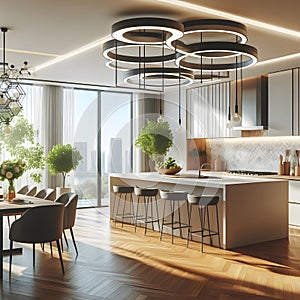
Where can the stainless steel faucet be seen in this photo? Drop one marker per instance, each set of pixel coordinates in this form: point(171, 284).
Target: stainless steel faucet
point(201, 168)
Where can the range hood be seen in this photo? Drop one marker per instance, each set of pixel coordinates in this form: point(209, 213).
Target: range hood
point(254, 104)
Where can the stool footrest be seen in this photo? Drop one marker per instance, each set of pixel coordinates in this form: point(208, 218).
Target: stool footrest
point(146, 220)
point(182, 225)
point(124, 216)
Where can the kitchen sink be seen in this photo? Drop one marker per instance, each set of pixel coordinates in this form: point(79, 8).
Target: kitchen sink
point(195, 176)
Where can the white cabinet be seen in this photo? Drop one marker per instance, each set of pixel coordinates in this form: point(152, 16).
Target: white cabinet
point(280, 103)
point(294, 203)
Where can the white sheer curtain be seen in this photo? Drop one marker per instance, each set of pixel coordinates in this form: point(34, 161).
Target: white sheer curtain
point(32, 107)
point(68, 123)
point(52, 124)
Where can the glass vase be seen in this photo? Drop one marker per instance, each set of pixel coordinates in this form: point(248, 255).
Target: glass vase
point(11, 190)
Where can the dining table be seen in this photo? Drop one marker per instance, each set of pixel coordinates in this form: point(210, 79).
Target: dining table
point(17, 206)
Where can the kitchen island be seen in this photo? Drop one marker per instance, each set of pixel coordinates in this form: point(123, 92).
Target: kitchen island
point(251, 209)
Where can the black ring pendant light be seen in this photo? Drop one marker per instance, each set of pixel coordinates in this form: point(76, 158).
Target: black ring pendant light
point(216, 50)
point(147, 30)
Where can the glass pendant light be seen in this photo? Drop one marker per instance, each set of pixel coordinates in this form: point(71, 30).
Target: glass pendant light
point(161, 118)
point(229, 123)
point(7, 128)
point(236, 118)
point(179, 128)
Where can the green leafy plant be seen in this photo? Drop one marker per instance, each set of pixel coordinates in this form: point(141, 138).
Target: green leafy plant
point(63, 159)
point(155, 138)
point(21, 144)
point(170, 163)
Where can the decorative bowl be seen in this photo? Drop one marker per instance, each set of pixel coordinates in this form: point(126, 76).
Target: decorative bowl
point(172, 171)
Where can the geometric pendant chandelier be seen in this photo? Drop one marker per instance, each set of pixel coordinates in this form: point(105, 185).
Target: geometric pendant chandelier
point(155, 52)
point(11, 91)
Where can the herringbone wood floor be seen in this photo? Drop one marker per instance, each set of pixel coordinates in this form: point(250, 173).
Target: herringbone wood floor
point(116, 263)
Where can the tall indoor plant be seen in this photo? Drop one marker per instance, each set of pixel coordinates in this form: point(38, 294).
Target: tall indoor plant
point(62, 159)
point(155, 139)
point(21, 144)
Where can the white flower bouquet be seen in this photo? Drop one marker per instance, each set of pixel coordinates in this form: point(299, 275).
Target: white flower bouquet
point(11, 169)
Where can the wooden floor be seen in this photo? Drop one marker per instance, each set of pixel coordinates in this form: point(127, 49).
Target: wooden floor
point(116, 263)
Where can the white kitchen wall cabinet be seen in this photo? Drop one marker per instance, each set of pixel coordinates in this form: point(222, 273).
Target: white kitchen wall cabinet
point(280, 103)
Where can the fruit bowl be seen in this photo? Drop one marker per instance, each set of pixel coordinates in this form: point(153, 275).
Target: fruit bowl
point(171, 171)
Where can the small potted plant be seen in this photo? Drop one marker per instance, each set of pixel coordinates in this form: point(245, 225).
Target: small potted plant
point(62, 159)
point(155, 139)
point(168, 167)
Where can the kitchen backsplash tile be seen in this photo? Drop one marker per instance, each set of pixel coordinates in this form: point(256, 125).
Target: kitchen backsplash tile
point(257, 154)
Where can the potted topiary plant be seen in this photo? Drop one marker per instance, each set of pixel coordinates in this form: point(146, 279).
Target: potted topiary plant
point(63, 159)
point(155, 139)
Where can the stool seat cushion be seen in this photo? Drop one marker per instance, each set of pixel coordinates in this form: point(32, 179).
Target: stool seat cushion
point(173, 195)
point(123, 189)
point(203, 200)
point(145, 192)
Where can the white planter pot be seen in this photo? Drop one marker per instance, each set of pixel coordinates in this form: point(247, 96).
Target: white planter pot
point(61, 190)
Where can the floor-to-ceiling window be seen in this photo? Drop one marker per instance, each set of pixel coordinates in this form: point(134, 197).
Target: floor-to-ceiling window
point(99, 125)
point(80, 130)
point(115, 152)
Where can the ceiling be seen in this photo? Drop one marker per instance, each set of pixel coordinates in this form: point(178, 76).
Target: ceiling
point(46, 33)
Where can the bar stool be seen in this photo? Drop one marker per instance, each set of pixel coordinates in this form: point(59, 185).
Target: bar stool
point(148, 196)
point(173, 197)
point(203, 203)
point(122, 193)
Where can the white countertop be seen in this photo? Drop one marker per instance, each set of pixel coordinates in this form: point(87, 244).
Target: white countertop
point(215, 179)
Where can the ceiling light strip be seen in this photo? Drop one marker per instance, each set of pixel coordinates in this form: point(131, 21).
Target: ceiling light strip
point(215, 12)
point(30, 52)
point(278, 59)
point(75, 52)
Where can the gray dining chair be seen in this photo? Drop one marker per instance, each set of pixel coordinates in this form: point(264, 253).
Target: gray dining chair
point(70, 201)
point(44, 193)
point(41, 224)
point(23, 190)
point(32, 191)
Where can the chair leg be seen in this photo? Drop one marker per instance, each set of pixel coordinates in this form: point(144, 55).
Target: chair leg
point(62, 246)
point(51, 249)
point(189, 213)
point(73, 239)
point(33, 256)
point(10, 258)
point(157, 214)
point(60, 256)
point(162, 222)
point(66, 238)
point(8, 221)
point(137, 213)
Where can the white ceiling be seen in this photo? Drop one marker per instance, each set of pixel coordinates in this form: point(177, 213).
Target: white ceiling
point(56, 28)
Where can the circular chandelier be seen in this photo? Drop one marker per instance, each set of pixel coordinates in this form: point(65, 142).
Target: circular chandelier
point(151, 77)
point(147, 50)
point(147, 30)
